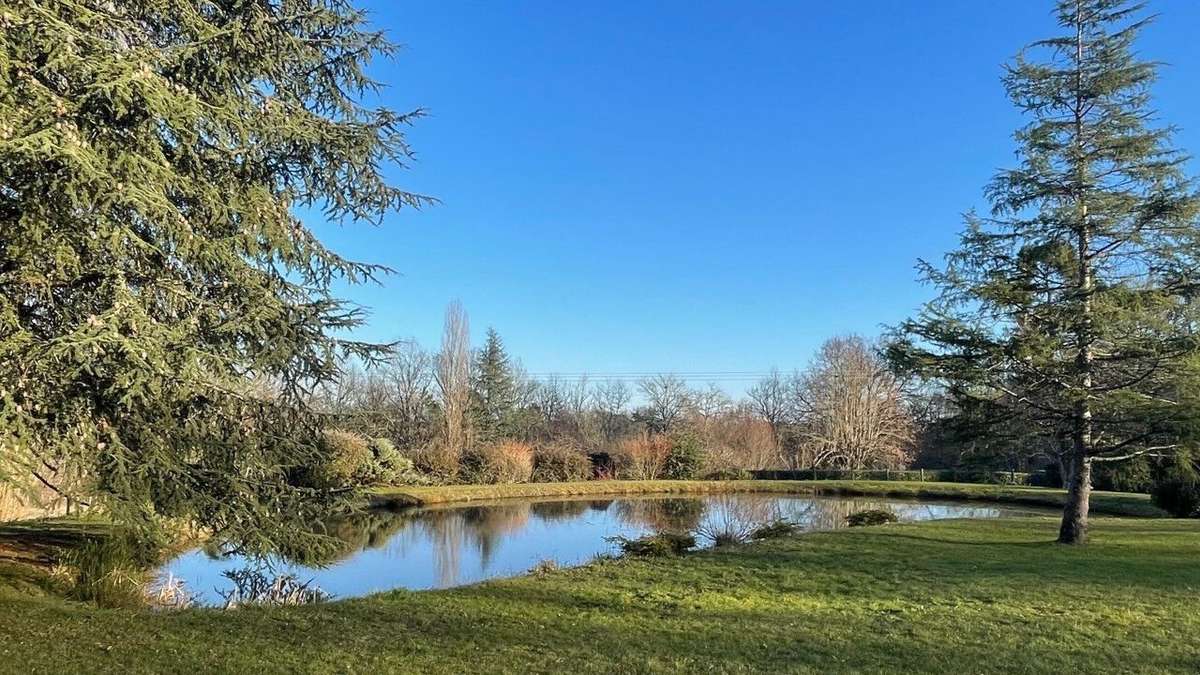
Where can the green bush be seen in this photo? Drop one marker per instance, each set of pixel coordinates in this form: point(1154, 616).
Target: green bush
point(353, 460)
point(1178, 495)
point(348, 461)
point(870, 517)
point(684, 459)
point(939, 475)
point(727, 474)
point(560, 464)
point(656, 545)
point(775, 529)
point(1131, 476)
point(388, 466)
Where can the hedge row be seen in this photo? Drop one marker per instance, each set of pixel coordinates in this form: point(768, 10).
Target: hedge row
point(913, 475)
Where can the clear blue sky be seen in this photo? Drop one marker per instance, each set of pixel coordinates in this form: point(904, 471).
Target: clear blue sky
point(683, 186)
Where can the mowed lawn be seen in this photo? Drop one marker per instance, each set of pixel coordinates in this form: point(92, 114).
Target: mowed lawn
point(951, 596)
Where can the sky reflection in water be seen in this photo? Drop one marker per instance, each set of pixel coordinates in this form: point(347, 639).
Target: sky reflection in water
point(452, 546)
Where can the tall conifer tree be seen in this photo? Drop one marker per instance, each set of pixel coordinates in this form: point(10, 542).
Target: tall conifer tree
point(164, 311)
point(1069, 306)
point(495, 389)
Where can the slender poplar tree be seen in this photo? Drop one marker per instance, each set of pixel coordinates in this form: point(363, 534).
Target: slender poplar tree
point(1069, 306)
point(164, 311)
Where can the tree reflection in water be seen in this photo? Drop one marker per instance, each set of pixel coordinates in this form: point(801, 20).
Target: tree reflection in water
point(661, 514)
point(440, 547)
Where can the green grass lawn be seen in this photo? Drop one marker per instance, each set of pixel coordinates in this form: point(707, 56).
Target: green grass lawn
point(950, 596)
point(1112, 503)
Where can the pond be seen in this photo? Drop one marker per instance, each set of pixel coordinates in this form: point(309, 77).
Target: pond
point(455, 545)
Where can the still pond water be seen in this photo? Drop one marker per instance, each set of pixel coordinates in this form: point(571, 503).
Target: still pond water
point(451, 546)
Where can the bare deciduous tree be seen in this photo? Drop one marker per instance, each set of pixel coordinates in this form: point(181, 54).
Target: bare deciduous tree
point(580, 419)
point(611, 398)
point(667, 400)
point(738, 438)
point(856, 414)
point(708, 406)
point(550, 399)
point(454, 376)
point(409, 376)
point(710, 403)
point(771, 401)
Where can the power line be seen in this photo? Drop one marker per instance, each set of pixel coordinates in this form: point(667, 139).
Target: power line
point(651, 373)
point(637, 376)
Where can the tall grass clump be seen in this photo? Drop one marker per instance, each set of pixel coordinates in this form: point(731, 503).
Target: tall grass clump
point(504, 462)
point(252, 587)
point(169, 593)
point(437, 462)
point(109, 570)
point(643, 457)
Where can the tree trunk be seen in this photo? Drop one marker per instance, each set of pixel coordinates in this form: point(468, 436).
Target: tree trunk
point(1075, 513)
point(1079, 491)
point(1065, 469)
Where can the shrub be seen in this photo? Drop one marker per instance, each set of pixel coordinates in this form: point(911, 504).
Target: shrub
point(108, 570)
point(1004, 478)
point(437, 463)
point(603, 465)
point(347, 463)
point(505, 462)
point(1050, 476)
point(388, 466)
point(656, 545)
point(545, 566)
point(684, 459)
point(643, 457)
point(253, 587)
point(559, 463)
point(1130, 476)
point(727, 533)
point(726, 538)
point(775, 529)
point(1178, 495)
point(727, 474)
point(169, 593)
point(870, 517)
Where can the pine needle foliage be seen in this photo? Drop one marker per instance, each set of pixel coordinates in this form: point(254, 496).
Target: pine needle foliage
point(1068, 309)
point(164, 311)
point(494, 396)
